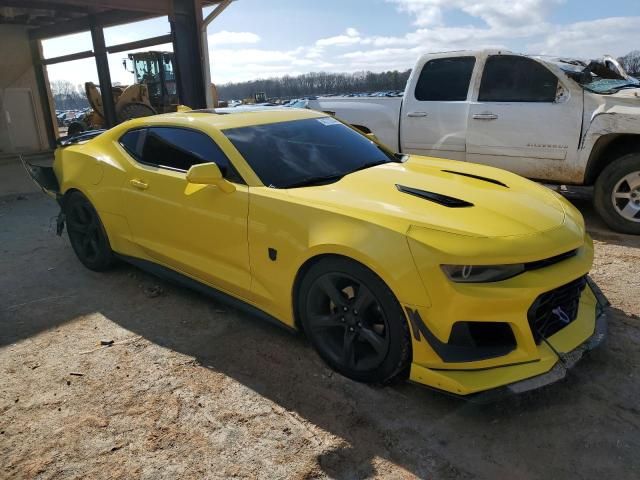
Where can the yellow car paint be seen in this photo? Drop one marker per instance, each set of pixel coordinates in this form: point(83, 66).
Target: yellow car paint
point(221, 239)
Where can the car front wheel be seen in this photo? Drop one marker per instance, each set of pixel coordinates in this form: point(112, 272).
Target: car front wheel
point(617, 194)
point(354, 321)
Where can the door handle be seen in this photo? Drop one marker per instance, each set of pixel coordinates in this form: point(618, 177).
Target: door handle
point(485, 116)
point(139, 184)
point(417, 114)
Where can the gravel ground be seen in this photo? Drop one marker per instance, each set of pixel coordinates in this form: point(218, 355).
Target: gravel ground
point(194, 389)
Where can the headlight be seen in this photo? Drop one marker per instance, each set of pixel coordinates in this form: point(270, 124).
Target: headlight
point(481, 273)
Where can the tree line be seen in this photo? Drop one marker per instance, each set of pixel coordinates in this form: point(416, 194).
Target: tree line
point(631, 63)
point(322, 83)
point(67, 96)
point(316, 83)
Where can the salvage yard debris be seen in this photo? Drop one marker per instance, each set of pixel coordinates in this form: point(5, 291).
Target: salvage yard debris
point(111, 344)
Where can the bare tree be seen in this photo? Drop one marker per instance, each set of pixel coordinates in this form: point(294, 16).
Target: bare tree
point(68, 96)
point(631, 62)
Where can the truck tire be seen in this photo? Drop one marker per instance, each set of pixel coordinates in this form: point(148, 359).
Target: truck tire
point(617, 194)
point(134, 110)
point(75, 128)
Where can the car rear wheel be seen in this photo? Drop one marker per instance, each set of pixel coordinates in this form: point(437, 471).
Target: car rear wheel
point(86, 233)
point(617, 194)
point(354, 321)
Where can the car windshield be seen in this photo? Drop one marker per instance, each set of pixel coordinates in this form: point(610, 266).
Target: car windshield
point(306, 152)
point(609, 85)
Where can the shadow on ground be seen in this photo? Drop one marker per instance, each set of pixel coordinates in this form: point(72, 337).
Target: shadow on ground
point(586, 426)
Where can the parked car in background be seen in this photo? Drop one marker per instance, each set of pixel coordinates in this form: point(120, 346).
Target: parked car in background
point(557, 120)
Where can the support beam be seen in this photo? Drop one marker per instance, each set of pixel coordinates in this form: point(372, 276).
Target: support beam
point(221, 7)
point(150, 6)
point(67, 58)
point(102, 65)
point(43, 92)
point(77, 25)
point(185, 27)
point(147, 42)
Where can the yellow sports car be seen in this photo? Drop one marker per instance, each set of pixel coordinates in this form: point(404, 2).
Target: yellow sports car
point(461, 277)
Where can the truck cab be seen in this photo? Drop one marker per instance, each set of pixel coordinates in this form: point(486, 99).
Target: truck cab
point(556, 120)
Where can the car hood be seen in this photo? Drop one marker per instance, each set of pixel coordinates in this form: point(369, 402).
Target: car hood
point(445, 195)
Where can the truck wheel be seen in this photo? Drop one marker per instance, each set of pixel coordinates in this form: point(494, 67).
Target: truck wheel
point(75, 128)
point(134, 110)
point(617, 194)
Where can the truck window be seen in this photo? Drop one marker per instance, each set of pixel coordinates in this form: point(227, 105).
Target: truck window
point(510, 78)
point(445, 79)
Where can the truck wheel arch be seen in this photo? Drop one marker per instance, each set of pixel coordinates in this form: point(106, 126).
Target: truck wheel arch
point(606, 149)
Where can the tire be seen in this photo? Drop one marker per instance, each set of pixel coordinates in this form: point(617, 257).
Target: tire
point(372, 345)
point(87, 234)
point(134, 110)
point(75, 128)
point(617, 194)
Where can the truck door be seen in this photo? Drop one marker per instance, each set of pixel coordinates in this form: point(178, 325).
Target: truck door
point(524, 120)
point(433, 120)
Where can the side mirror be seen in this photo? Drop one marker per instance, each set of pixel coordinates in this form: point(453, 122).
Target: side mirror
point(209, 174)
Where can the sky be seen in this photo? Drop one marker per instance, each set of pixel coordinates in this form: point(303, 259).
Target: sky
point(271, 38)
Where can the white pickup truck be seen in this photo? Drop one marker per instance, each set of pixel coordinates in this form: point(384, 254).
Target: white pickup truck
point(555, 120)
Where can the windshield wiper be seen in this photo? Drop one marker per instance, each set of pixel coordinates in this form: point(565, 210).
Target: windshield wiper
point(311, 181)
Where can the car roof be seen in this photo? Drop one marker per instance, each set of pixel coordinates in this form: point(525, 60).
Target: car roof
point(224, 119)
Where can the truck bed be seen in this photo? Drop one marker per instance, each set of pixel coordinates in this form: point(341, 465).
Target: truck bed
point(380, 114)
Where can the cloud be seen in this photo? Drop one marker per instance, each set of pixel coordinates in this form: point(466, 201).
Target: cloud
point(615, 36)
point(354, 51)
point(492, 12)
point(351, 36)
point(225, 37)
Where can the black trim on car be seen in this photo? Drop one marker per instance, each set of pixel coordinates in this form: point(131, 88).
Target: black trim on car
point(478, 177)
point(440, 199)
point(455, 352)
point(547, 262)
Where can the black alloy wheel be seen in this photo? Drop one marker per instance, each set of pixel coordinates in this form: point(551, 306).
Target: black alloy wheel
point(354, 321)
point(86, 233)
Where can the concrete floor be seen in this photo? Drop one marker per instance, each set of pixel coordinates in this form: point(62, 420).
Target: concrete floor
point(196, 389)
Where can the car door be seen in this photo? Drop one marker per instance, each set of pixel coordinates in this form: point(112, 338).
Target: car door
point(525, 119)
point(198, 230)
point(433, 119)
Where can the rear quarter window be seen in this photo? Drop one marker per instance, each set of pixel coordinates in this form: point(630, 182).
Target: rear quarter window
point(132, 142)
point(445, 79)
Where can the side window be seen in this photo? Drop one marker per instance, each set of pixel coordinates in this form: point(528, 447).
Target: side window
point(445, 79)
point(132, 142)
point(509, 78)
point(180, 148)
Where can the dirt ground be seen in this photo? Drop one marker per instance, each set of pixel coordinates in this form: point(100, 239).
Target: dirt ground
point(194, 389)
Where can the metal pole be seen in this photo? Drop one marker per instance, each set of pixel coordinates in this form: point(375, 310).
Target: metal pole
point(187, 47)
point(205, 46)
point(43, 92)
point(104, 76)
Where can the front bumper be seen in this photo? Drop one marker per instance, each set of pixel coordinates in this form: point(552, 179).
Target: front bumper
point(557, 373)
point(550, 364)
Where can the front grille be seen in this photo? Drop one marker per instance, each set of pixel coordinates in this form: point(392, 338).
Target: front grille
point(554, 310)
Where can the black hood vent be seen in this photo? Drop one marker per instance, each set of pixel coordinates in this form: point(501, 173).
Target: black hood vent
point(478, 177)
point(438, 198)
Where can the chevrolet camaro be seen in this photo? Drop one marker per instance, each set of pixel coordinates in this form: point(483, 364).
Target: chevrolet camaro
point(458, 276)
